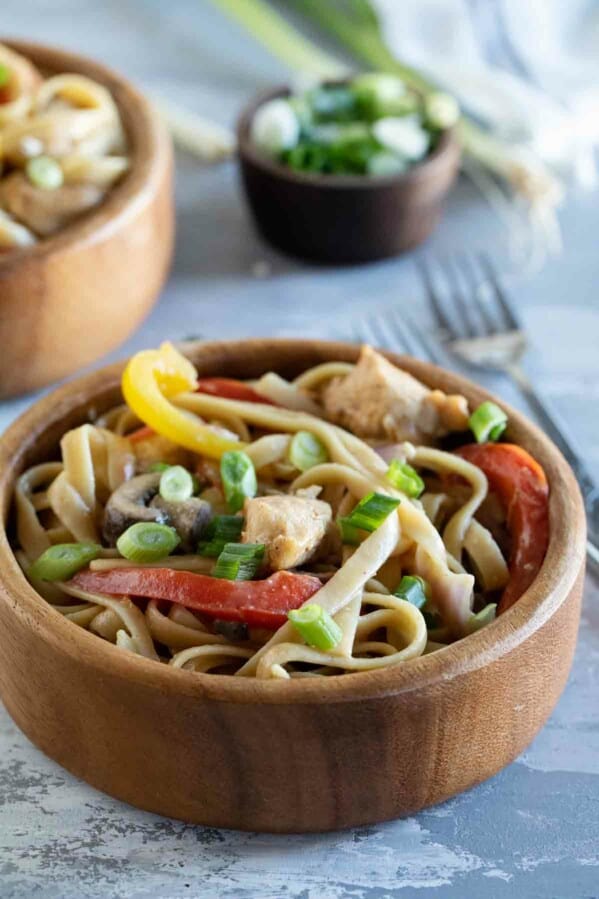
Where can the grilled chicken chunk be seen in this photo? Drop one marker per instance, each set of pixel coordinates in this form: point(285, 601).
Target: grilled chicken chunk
point(291, 527)
point(46, 211)
point(379, 401)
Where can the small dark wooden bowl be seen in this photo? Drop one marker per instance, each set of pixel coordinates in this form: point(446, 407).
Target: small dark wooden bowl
point(344, 218)
point(300, 755)
point(77, 295)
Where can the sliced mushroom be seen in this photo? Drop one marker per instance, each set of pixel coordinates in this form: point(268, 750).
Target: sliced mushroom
point(130, 503)
point(189, 518)
point(138, 500)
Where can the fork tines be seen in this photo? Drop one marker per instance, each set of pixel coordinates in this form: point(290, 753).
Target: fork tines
point(392, 328)
point(466, 296)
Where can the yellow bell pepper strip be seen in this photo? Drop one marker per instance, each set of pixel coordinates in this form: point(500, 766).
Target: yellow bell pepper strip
point(149, 379)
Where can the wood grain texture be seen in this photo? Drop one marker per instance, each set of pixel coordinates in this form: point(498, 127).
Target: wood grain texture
point(344, 218)
point(301, 755)
point(75, 296)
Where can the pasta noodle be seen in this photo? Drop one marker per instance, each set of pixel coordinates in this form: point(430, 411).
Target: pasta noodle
point(178, 609)
point(72, 124)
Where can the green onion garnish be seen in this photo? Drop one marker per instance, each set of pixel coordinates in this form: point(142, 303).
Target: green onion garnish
point(61, 561)
point(488, 422)
point(371, 511)
point(482, 618)
point(441, 110)
point(44, 172)
point(239, 561)
point(306, 451)
point(316, 626)
point(405, 478)
point(5, 74)
point(147, 542)
point(221, 530)
point(350, 534)
point(176, 484)
point(413, 589)
point(159, 466)
point(239, 478)
point(385, 163)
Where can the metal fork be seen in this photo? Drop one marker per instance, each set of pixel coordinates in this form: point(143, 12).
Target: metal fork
point(393, 329)
point(480, 327)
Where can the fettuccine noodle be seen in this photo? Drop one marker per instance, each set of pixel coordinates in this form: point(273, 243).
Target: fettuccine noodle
point(441, 536)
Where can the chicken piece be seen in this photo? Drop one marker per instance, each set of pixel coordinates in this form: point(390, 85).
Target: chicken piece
point(46, 211)
point(379, 401)
point(291, 527)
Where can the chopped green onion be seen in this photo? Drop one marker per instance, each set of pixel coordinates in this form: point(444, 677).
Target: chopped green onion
point(380, 94)
point(221, 530)
point(239, 478)
point(333, 104)
point(402, 135)
point(316, 626)
point(488, 422)
point(371, 511)
point(275, 127)
point(350, 534)
point(239, 561)
point(61, 561)
point(163, 466)
point(441, 110)
point(306, 451)
point(339, 134)
point(384, 164)
point(44, 172)
point(176, 484)
point(482, 618)
point(5, 74)
point(413, 589)
point(362, 36)
point(405, 478)
point(147, 542)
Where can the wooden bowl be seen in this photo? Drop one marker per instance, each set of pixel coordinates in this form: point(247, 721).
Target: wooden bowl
point(294, 756)
point(343, 218)
point(76, 295)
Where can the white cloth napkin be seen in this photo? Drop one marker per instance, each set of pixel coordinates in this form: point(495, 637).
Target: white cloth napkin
point(528, 69)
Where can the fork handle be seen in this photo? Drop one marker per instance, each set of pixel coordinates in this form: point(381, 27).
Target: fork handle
point(556, 431)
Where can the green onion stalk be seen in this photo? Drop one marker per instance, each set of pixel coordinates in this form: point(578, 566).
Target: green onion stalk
point(355, 27)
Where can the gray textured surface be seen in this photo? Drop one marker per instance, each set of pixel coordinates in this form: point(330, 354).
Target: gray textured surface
point(532, 831)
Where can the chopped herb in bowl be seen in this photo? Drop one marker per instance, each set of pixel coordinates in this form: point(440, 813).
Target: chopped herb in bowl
point(372, 125)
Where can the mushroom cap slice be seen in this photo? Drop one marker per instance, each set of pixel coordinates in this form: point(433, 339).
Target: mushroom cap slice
point(130, 503)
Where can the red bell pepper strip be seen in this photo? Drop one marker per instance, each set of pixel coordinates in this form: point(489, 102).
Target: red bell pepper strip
point(258, 603)
point(521, 485)
point(230, 389)
point(142, 433)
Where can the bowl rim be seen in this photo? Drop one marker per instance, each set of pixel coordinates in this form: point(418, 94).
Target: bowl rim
point(147, 138)
point(561, 568)
point(447, 147)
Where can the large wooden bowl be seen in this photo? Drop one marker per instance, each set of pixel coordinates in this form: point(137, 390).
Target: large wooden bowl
point(77, 295)
point(344, 218)
point(301, 755)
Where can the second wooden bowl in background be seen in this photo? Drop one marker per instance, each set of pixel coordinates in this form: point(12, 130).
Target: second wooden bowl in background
point(77, 295)
point(344, 218)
